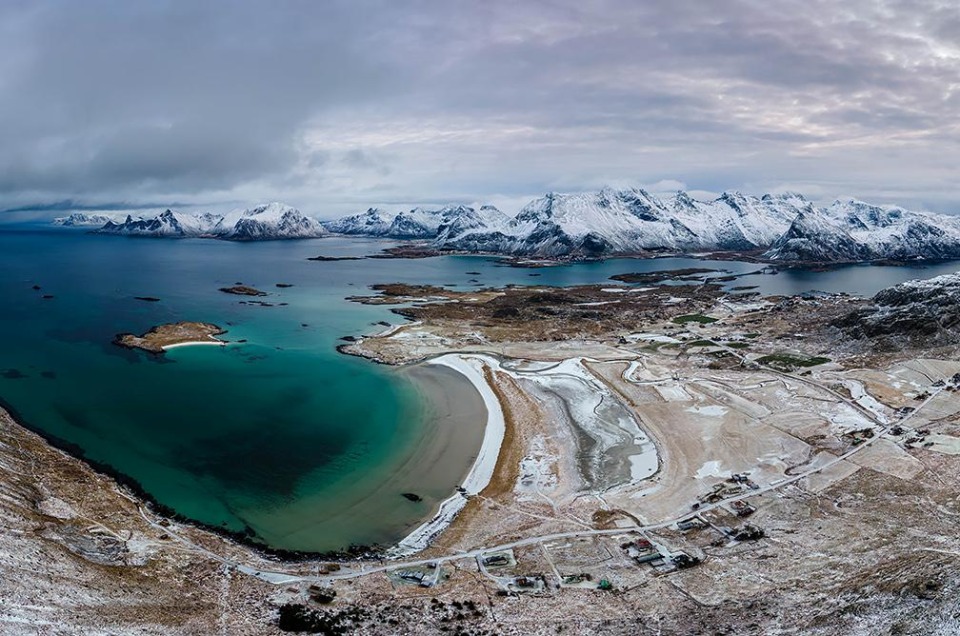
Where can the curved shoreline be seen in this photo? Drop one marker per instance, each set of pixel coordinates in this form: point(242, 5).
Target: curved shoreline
point(477, 477)
point(218, 343)
point(480, 473)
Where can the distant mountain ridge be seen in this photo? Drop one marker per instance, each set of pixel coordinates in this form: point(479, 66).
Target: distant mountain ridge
point(83, 219)
point(783, 227)
point(273, 221)
point(418, 223)
point(777, 227)
point(851, 230)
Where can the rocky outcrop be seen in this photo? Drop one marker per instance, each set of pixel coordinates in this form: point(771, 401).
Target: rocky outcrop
point(159, 338)
point(921, 313)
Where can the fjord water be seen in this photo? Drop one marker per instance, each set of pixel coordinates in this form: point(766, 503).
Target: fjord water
point(281, 435)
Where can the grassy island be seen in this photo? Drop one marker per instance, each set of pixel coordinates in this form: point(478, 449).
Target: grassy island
point(161, 337)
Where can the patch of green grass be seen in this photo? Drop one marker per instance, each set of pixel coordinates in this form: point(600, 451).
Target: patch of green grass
point(703, 320)
point(737, 345)
point(788, 362)
point(751, 335)
point(702, 343)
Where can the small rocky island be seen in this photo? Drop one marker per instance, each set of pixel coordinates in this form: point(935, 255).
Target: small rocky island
point(243, 290)
point(161, 337)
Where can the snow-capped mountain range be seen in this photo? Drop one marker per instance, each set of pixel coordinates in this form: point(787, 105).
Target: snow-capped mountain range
point(850, 230)
point(778, 227)
point(266, 222)
point(418, 223)
point(83, 219)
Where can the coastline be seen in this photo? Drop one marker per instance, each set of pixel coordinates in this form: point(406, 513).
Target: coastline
point(477, 475)
point(482, 470)
point(218, 343)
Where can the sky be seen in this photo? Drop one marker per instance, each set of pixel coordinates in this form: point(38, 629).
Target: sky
point(335, 106)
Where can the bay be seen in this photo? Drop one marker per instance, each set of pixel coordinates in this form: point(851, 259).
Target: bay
point(280, 437)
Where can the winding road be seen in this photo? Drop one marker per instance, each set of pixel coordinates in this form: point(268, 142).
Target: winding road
point(278, 576)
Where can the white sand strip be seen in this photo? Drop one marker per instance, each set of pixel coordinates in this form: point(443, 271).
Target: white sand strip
point(218, 343)
point(482, 470)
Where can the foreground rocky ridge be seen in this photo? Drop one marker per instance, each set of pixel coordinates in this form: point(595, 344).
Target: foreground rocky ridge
point(919, 313)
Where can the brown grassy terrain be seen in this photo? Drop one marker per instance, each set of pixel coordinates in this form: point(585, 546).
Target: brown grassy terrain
point(176, 333)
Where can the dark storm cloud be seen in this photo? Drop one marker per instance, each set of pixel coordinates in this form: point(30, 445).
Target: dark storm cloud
point(335, 104)
point(185, 96)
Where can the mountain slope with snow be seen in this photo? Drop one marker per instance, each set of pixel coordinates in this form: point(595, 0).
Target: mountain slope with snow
point(373, 222)
point(166, 224)
point(82, 219)
point(783, 227)
point(267, 222)
point(631, 221)
point(418, 223)
point(853, 231)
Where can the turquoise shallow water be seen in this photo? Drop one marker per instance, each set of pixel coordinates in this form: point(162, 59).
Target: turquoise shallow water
point(281, 436)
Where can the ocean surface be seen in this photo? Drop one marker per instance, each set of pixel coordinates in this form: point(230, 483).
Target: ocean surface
point(280, 437)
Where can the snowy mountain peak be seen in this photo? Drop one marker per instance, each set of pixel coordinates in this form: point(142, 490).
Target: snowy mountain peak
point(273, 221)
point(632, 220)
point(266, 222)
point(168, 223)
point(82, 219)
point(787, 195)
point(609, 222)
point(850, 231)
point(373, 222)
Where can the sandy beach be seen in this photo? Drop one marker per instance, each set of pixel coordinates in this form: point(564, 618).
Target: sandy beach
point(490, 426)
point(218, 343)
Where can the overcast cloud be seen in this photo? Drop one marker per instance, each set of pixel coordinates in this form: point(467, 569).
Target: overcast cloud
point(332, 106)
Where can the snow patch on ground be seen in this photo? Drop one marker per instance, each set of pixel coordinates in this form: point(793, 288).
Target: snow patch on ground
point(643, 465)
point(947, 444)
point(865, 400)
point(713, 410)
point(672, 392)
point(652, 337)
point(536, 472)
point(712, 469)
